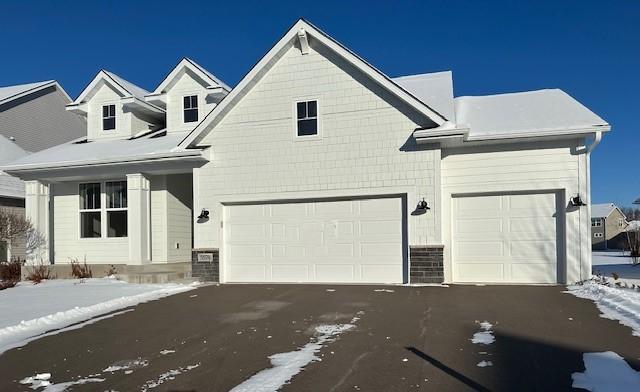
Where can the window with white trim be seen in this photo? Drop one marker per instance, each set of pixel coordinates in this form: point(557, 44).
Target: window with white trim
point(307, 118)
point(108, 117)
point(597, 235)
point(620, 222)
point(190, 108)
point(596, 222)
point(90, 212)
point(116, 208)
point(94, 210)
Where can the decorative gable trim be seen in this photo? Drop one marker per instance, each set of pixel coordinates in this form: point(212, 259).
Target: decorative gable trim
point(300, 31)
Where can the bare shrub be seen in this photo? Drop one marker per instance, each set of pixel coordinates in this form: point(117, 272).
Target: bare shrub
point(10, 270)
point(6, 284)
point(112, 270)
point(80, 271)
point(38, 272)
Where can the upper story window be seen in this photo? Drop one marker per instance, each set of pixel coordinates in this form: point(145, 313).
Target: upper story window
point(108, 117)
point(190, 108)
point(620, 222)
point(596, 222)
point(307, 118)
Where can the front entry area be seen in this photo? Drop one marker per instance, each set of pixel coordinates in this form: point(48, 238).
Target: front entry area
point(506, 238)
point(356, 240)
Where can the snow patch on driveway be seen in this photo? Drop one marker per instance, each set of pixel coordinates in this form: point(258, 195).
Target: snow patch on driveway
point(29, 311)
point(42, 380)
point(167, 376)
point(606, 372)
point(614, 303)
point(485, 336)
point(286, 365)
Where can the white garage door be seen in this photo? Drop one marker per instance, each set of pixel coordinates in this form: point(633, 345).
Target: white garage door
point(505, 238)
point(354, 241)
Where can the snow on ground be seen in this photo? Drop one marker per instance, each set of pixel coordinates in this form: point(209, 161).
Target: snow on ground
point(485, 336)
point(29, 310)
point(606, 372)
point(286, 365)
point(43, 380)
point(608, 262)
point(167, 376)
point(615, 303)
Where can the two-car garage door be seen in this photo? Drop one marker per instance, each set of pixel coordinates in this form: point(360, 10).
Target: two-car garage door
point(351, 241)
point(506, 238)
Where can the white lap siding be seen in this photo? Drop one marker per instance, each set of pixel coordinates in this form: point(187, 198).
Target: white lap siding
point(256, 157)
point(66, 233)
point(525, 168)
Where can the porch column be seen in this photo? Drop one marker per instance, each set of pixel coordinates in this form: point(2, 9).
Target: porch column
point(37, 212)
point(138, 219)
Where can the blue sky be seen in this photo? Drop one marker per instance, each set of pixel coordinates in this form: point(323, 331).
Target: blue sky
point(590, 49)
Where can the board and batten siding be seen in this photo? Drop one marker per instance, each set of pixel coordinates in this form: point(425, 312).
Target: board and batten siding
point(558, 166)
point(68, 245)
point(360, 151)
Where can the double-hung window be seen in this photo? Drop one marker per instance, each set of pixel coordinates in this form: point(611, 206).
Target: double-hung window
point(190, 108)
point(596, 222)
point(90, 211)
point(116, 199)
point(112, 209)
point(108, 117)
point(307, 118)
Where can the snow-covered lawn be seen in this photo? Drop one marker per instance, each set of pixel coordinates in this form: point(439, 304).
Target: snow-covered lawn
point(607, 263)
point(29, 311)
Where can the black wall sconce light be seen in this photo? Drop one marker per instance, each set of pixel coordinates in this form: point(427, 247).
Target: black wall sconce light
point(576, 201)
point(421, 208)
point(204, 214)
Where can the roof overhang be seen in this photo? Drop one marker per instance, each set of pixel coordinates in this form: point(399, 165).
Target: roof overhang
point(307, 32)
point(135, 104)
point(44, 85)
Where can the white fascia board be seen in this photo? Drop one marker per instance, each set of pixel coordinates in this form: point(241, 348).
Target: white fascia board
point(198, 132)
point(41, 87)
point(184, 63)
point(159, 100)
point(165, 156)
point(136, 103)
point(78, 108)
point(99, 77)
point(543, 133)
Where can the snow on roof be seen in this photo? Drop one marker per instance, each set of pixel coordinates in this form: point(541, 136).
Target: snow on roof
point(515, 114)
point(82, 153)
point(9, 92)
point(209, 74)
point(433, 89)
point(135, 90)
point(10, 186)
point(602, 210)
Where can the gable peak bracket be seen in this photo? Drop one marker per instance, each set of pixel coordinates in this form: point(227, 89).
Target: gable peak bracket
point(304, 41)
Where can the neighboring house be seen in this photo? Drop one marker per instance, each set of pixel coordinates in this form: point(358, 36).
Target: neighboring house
point(608, 224)
point(32, 118)
point(317, 167)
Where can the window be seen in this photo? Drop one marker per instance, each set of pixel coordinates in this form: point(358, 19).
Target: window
point(620, 222)
point(307, 118)
point(108, 117)
point(90, 214)
point(116, 198)
point(191, 108)
point(596, 222)
point(114, 210)
point(597, 235)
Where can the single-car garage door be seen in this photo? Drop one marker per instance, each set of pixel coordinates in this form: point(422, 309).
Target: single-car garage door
point(351, 241)
point(508, 238)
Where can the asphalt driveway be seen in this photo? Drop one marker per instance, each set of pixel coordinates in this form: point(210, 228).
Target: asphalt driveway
point(405, 338)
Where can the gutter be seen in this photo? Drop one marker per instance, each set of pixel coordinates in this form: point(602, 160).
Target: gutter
point(168, 156)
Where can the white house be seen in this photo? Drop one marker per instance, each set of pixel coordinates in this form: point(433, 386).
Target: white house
point(317, 167)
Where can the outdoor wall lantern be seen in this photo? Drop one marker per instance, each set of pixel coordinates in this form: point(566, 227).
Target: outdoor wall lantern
point(423, 206)
point(204, 214)
point(576, 201)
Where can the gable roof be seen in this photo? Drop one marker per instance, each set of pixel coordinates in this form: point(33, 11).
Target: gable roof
point(434, 89)
point(209, 79)
point(523, 114)
point(124, 87)
point(603, 210)
point(303, 28)
point(9, 93)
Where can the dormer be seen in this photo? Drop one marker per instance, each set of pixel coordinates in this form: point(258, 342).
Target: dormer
point(187, 94)
point(116, 108)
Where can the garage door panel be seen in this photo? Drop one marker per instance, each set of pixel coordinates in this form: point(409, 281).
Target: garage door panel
point(523, 243)
point(247, 272)
point(328, 241)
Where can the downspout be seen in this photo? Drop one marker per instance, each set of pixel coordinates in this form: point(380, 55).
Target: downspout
point(596, 140)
